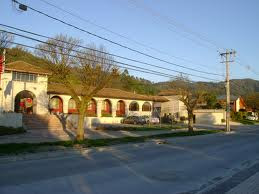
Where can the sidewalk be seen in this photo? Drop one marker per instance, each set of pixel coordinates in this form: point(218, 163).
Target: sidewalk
point(37, 136)
point(250, 186)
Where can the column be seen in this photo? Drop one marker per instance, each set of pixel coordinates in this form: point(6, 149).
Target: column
point(99, 108)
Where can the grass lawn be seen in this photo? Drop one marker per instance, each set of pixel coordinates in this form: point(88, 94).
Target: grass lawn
point(247, 122)
point(11, 130)
point(18, 148)
point(145, 127)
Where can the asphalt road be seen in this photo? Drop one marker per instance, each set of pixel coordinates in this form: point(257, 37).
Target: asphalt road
point(182, 165)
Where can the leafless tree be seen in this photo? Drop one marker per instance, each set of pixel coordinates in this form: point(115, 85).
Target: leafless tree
point(189, 95)
point(5, 40)
point(83, 73)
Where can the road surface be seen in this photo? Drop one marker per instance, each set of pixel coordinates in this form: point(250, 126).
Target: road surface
point(216, 163)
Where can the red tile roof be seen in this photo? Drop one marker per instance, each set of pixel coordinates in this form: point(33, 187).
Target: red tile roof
point(21, 66)
point(55, 88)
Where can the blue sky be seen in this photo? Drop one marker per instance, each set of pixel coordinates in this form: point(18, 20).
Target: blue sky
point(230, 24)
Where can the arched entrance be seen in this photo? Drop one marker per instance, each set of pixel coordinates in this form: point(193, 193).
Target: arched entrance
point(146, 107)
point(56, 104)
point(106, 108)
point(134, 106)
point(25, 102)
point(120, 112)
point(91, 110)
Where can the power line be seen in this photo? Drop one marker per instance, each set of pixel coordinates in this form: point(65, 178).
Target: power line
point(114, 61)
point(172, 22)
point(120, 35)
point(140, 69)
point(34, 39)
point(247, 67)
point(108, 40)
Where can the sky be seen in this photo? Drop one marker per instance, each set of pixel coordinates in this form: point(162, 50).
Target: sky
point(183, 32)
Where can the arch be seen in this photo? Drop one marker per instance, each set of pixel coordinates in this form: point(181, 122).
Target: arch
point(146, 106)
point(72, 107)
point(25, 102)
point(56, 105)
point(91, 110)
point(134, 106)
point(106, 108)
point(120, 111)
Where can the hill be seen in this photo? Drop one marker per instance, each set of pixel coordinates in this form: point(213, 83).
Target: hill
point(143, 86)
point(238, 86)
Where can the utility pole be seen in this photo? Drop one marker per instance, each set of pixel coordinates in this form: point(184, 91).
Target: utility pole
point(227, 58)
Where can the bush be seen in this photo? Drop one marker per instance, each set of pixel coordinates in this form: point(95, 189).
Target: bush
point(11, 130)
point(237, 116)
point(182, 118)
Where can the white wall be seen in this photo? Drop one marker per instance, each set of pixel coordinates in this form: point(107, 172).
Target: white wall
point(93, 121)
point(210, 116)
point(99, 101)
point(11, 88)
point(174, 105)
point(11, 119)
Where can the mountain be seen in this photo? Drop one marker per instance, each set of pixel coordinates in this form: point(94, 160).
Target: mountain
point(142, 86)
point(237, 86)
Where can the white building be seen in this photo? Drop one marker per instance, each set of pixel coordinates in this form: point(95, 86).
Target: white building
point(25, 89)
point(176, 108)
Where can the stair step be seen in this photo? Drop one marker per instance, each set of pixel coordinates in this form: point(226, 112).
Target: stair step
point(43, 122)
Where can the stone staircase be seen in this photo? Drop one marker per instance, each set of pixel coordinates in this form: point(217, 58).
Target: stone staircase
point(43, 122)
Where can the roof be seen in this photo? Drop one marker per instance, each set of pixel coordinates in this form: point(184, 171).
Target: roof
point(21, 66)
point(55, 88)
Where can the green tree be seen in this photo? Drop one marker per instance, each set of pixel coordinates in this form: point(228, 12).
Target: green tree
point(252, 101)
point(211, 100)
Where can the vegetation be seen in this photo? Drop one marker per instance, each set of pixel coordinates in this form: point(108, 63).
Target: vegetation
point(252, 101)
point(241, 118)
point(239, 87)
point(5, 41)
point(11, 130)
point(18, 148)
point(142, 86)
point(82, 72)
point(211, 101)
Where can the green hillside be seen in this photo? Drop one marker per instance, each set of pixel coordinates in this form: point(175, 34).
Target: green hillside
point(142, 86)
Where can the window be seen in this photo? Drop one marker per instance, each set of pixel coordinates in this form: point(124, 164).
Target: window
point(106, 106)
point(71, 104)
point(54, 103)
point(91, 105)
point(134, 106)
point(24, 77)
point(146, 106)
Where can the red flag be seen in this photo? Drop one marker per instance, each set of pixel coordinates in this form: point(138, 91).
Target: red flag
point(1, 64)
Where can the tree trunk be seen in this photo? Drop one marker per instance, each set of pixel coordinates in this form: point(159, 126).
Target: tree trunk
point(190, 122)
point(80, 126)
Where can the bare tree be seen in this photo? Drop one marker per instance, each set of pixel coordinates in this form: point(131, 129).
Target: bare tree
point(5, 40)
point(83, 73)
point(189, 95)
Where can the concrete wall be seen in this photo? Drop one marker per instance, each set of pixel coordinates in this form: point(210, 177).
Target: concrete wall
point(210, 116)
point(11, 119)
point(173, 106)
point(92, 121)
point(11, 88)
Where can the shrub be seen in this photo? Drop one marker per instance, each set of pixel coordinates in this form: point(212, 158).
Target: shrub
point(182, 118)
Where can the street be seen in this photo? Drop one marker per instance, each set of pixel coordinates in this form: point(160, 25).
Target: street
point(199, 164)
